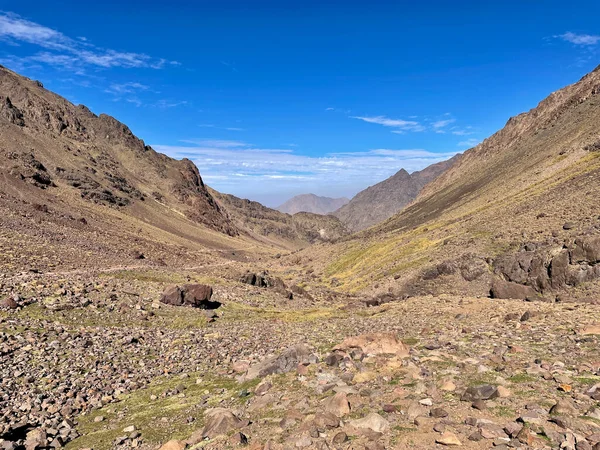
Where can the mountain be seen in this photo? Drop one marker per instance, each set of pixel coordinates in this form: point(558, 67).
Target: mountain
point(515, 215)
point(88, 186)
point(312, 203)
point(384, 199)
point(272, 226)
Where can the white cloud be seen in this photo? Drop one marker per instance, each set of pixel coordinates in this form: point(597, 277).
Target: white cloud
point(64, 52)
point(465, 132)
point(126, 88)
point(399, 124)
point(469, 143)
point(210, 125)
point(164, 104)
point(244, 170)
point(442, 123)
point(579, 39)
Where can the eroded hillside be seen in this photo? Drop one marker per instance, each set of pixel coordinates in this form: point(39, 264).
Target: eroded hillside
point(533, 186)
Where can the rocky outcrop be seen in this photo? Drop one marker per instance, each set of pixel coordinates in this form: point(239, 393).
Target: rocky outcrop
point(194, 295)
point(10, 112)
point(546, 268)
point(264, 280)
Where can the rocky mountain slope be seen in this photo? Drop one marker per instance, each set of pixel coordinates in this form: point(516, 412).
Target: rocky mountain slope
point(312, 203)
point(289, 231)
point(382, 200)
point(515, 216)
point(84, 188)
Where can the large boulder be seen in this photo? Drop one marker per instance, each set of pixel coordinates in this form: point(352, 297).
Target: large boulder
point(587, 249)
point(509, 290)
point(375, 344)
point(262, 279)
point(195, 295)
point(286, 362)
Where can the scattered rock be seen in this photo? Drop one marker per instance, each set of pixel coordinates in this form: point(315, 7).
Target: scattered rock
point(372, 421)
point(221, 421)
point(375, 344)
point(480, 392)
point(448, 438)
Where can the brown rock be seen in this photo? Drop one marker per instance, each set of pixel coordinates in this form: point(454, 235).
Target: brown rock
point(196, 295)
point(173, 445)
point(375, 344)
point(10, 303)
point(506, 290)
point(221, 421)
point(337, 405)
point(448, 438)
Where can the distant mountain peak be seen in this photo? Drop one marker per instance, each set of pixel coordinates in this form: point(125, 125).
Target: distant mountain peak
point(312, 203)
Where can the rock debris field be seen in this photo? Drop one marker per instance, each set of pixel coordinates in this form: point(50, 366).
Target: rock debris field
point(98, 361)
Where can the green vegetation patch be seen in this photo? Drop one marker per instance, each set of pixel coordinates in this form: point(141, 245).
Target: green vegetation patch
point(165, 417)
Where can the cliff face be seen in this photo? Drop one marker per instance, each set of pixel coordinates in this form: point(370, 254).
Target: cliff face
point(52, 144)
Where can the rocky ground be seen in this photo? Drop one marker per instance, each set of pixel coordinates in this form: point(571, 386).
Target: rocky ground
point(95, 360)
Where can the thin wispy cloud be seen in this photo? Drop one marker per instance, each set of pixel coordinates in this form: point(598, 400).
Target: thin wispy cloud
point(463, 132)
point(399, 125)
point(246, 170)
point(58, 50)
point(469, 143)
point(126, 88)
point(439, 124)
point(579, 39)
point(210, 125)
point(164, 104)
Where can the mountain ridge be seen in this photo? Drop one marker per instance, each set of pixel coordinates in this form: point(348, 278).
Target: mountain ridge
point(384, 199)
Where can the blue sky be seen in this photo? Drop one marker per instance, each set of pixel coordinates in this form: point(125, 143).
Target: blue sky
point(274, 99)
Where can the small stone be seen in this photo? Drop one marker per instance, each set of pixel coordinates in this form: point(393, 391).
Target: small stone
point(439, 427)
point(173, 445)
point(448, 438)
point(438, 413)
point(426, 402)
point(129, 429)
point(98, 419)
point(339, 438)
point(479, 405)
point(338, 404)
point(448, 386)
point(372, 421)
point(503, 392)
point(303, 441)
point(481, 392)
point(475, 436)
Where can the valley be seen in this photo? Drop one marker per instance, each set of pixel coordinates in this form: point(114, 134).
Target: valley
point(143, 309)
